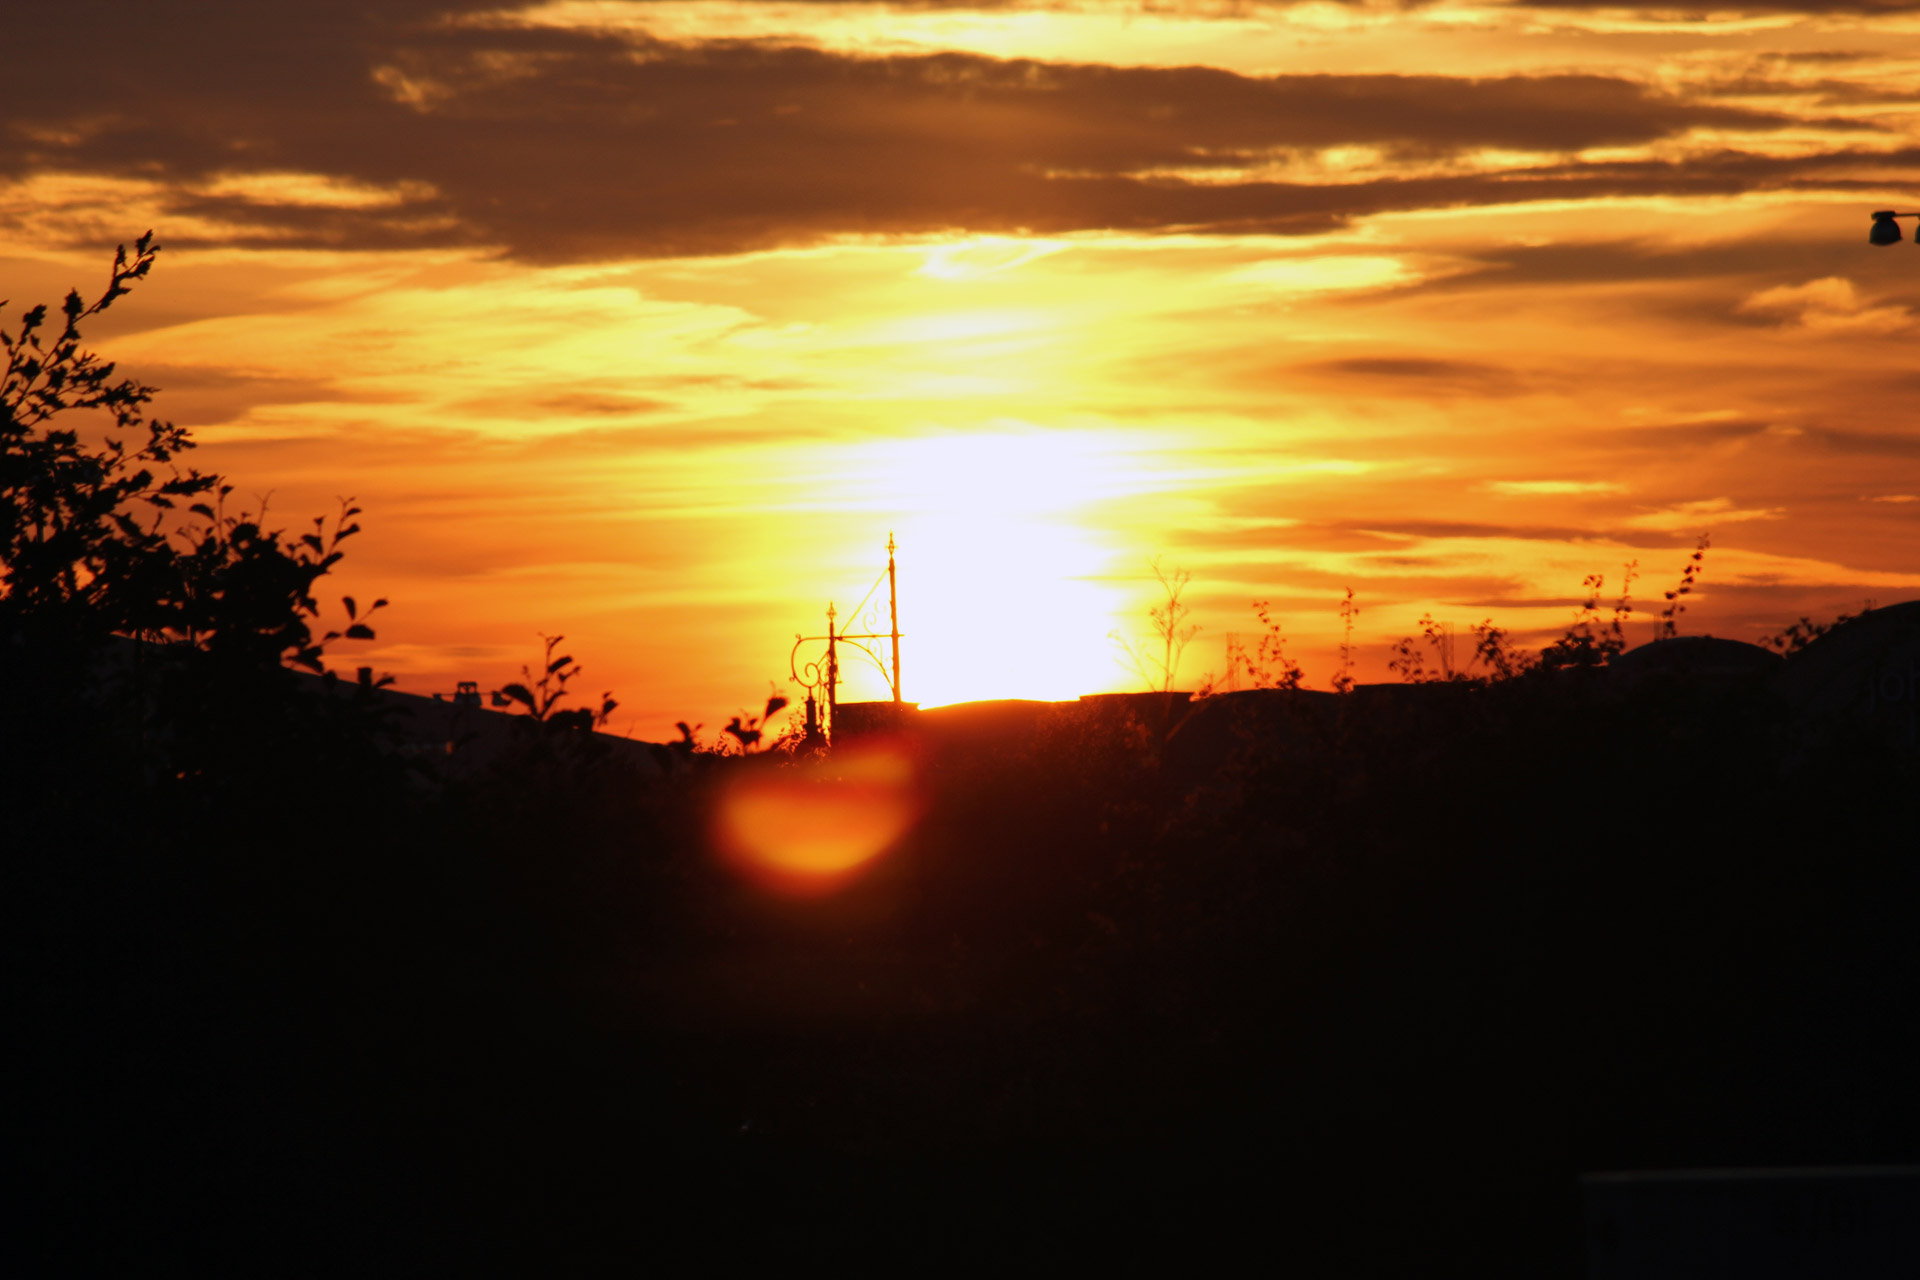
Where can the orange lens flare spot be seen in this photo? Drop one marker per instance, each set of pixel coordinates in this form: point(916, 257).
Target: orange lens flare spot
point(807, 829)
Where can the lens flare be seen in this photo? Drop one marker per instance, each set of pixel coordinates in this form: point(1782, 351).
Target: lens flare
point(807, 829)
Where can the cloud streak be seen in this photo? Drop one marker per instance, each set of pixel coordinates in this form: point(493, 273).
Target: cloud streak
point(566, 145)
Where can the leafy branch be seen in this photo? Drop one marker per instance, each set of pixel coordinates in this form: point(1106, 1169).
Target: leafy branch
point(85, 547)
point(540, 694)
point(1798, 635)
point(1676, 598)
point(749, 731)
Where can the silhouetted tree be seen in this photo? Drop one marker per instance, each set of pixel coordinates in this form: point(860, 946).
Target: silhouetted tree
point(89, 547)
point(74, 553)
point(147, 630)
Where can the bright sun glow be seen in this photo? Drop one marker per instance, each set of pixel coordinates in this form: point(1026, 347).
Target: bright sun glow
point(1005, 592)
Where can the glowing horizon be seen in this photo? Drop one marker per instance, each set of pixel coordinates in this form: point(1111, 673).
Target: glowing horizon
point(646, 323)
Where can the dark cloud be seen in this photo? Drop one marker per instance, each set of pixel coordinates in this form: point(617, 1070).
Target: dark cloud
point(1404, 528)
point(1698, 7)
point(1385, 540)
point(1601, 530)
point(1740, 264)
point(1300, 536)
point(559, 145)
point(1382, 534)
point(1782, 75)
point(603, 405)
point(1868, 444)
point(1897, 441)
point(1692, 435)
point(1424, 376)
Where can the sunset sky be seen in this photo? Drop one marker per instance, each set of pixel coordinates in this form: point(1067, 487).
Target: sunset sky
point(646, 323)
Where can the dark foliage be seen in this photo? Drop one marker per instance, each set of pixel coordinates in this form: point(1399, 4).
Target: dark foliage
point(1362, 994)
point(86, 546)
point(1796, 636)
point(1589, 642)
point(146, 631)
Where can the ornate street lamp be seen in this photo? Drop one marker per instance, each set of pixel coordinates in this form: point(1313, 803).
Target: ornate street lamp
point(821, 676)
point(1886, 228)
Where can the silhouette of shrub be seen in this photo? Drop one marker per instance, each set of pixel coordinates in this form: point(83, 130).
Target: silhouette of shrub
point(147, 628)
point(86, 547)
point(1796, 636)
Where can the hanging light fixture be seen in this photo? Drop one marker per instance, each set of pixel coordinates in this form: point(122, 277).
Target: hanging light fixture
point(1886, 228)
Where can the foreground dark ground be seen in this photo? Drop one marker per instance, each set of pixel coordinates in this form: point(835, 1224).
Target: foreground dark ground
point(1365, 993)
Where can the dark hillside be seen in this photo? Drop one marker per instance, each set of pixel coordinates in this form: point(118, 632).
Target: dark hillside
point(1363, 982)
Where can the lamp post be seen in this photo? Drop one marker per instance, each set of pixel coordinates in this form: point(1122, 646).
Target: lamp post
point(821, 676)
point(1886, 227)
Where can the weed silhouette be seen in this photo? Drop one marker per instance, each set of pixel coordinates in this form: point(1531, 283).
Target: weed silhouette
point(540, 694)
point(1343, 677)
point(1157, 660)
point(1677, 598)
point(1267, 666)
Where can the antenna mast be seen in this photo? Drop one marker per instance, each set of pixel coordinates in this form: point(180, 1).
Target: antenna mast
point(893, 615)
point(821, 679)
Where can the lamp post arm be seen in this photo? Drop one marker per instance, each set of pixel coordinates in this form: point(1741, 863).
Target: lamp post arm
point(808, 675)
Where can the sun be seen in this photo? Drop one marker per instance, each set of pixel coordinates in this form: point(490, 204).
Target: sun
point(1007, 588)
